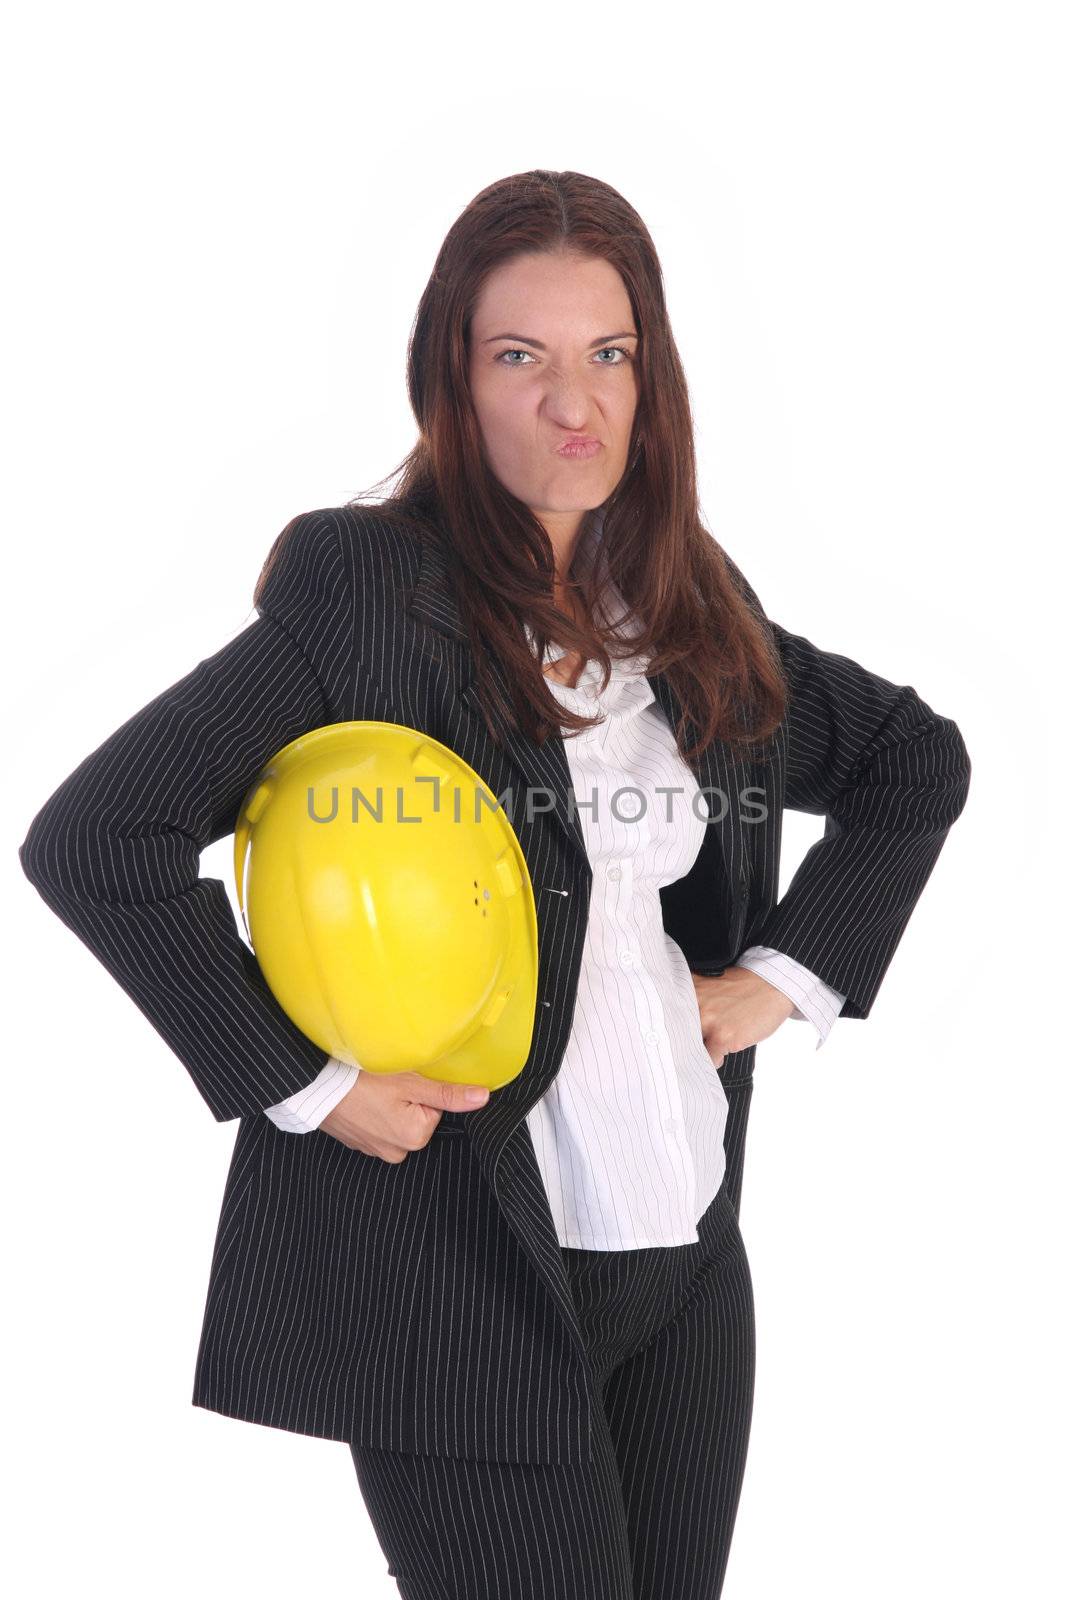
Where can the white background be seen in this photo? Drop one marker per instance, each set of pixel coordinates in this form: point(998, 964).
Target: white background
point(220, 219)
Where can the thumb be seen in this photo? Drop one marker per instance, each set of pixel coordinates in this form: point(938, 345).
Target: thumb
point(442, 1096)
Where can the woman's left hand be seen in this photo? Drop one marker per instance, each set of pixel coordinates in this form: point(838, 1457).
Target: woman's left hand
point(738, 1008)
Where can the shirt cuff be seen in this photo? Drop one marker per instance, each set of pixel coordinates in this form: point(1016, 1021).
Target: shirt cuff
point(813, 1000)
point(303, 1111)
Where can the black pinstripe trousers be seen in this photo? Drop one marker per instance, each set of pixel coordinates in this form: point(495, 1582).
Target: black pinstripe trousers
point(671, 1334)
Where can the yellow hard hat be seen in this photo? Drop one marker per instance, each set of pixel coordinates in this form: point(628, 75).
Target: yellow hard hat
point(389, 904)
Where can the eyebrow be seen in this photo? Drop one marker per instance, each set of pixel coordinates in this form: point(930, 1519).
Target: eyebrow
point(520, 338)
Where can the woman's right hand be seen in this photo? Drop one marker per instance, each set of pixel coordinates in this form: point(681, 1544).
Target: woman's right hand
point(389, 1114)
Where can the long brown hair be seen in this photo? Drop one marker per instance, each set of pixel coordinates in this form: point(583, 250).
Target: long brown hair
point(696, 624)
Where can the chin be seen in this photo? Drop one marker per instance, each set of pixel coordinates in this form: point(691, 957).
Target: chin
point(587, 498)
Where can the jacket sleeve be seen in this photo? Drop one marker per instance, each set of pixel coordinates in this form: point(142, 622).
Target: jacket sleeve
point(115, 850)
point(890, 776)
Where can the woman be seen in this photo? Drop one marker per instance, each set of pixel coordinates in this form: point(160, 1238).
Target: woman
point(530, 1319)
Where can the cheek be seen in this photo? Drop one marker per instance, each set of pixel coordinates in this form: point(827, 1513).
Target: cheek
point(620, 402)
point(507, 420)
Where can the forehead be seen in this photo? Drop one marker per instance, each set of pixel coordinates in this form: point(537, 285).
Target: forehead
point(552, 291)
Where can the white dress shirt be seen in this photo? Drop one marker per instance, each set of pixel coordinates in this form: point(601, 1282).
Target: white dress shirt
point(629, 1134)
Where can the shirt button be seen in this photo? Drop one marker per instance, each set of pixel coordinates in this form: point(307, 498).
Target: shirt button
point(614, 873)
point(626, 959)
point(652, 1037)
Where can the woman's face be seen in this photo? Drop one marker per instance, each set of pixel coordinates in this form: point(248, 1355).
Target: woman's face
point(552, 360)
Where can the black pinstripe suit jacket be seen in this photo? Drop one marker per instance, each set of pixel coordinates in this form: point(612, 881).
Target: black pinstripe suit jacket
point(425, 1305)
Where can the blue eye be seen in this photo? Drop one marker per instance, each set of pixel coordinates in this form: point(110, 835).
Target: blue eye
point(608, 350)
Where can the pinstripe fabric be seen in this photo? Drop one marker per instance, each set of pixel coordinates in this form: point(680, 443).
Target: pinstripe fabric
point(671, 1336)
point(330, 1266)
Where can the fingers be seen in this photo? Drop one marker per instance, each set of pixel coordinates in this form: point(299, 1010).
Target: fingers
point(388, 1115)
point(447, 1096)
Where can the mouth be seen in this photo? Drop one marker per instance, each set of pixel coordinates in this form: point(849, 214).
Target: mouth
point(580, 448)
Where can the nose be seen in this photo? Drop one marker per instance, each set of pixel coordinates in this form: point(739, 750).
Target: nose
point(567, 403)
